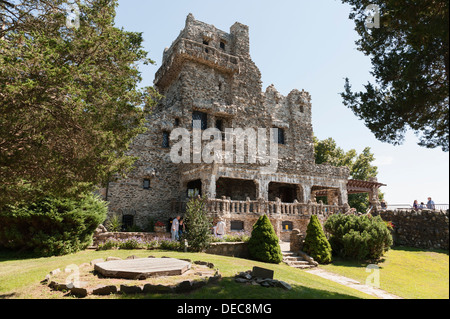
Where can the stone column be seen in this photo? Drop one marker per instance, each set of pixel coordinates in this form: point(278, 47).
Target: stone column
point(209, 187)
point(262, 187)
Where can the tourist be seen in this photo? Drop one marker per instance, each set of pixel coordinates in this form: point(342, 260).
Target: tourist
point(422, 205)
point(169, 224)
point(220, 228)
point(430, 204)
point(175, 228)
point(416, 205)
point(182, 228)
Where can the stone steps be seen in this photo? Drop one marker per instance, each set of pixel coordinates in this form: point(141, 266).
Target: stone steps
point(296, 261)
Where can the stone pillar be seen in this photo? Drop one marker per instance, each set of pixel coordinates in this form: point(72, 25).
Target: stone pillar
point(332, 197)
point(262, 187)
point(209, 187)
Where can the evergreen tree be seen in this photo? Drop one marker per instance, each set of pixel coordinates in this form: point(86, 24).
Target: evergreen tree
point(263, 244)
point(409, 54)
point(69, 97)
point(198, 225)
point(316, 244)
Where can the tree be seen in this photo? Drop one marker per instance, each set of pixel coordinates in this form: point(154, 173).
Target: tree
point(360, 166)
point(69, 98)
point(198, 224)
point(410, 58)
point(263, 244)
point(316, 244)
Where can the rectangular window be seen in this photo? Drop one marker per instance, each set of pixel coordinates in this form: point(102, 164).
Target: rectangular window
point(237, 225)
point(199, 120)
point(146, 183)
point(166, 140)
point(280, 137)
point(222, 45)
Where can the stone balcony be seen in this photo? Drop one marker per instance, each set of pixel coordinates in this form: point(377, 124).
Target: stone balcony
point(184, 49)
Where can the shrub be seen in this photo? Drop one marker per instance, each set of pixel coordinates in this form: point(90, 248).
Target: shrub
point(198, 225)
point(358, 237)
point(53, 226)
point(113, 224)
point(263, 244)
point(316, 243)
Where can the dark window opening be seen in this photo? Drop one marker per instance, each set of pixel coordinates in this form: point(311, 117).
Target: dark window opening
point(177, 122)
point(220, 127)
point(222, 45)
point(166, 140)
point(205, 42)
point(146, 184)
point(287, 226)
point(199, 120)
point(194, 188)
point(280, 137)
point(127, 221)
point(236, 225)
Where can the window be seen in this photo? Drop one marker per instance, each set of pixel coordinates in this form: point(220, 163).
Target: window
point(205, 42)
point(222, 45)
point(287, 226)
point(166, 140)
point(280, 138)
point(146, 183)
point(177, 122)
point(220, 127)
point(237, 225)
point(127, 221)
point(199, 120)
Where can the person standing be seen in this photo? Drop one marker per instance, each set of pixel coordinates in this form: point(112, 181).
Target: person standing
point(181, 228)
point(416, 205)
point(175, 228)
point(430, 204)
point(220, 228)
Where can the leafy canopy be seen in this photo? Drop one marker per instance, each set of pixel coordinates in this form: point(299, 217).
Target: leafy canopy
point(409, 55)
point(69, 98)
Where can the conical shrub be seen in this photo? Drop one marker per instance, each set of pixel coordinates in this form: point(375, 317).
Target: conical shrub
point(264, 244)
point(316, 244)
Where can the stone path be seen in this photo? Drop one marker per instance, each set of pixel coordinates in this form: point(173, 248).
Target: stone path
point(370, 290)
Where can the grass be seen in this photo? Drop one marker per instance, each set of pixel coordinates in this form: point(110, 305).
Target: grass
point(20, 278)
point(406, 272)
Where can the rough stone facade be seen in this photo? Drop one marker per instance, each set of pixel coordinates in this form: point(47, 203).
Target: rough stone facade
point(208, 74)
point(421, 229)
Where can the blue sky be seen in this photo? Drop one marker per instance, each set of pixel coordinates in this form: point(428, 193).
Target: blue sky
point(299, 44)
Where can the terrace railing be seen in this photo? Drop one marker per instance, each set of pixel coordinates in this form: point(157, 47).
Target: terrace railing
point(223, 206)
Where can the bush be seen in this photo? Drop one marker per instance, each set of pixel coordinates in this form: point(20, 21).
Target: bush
point(358, 237)
point(52, 226)
point(316, 244)
point(198, 225)
point(263, 244)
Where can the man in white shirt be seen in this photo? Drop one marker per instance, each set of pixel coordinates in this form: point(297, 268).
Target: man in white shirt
point(175, 228)
point(220, 228)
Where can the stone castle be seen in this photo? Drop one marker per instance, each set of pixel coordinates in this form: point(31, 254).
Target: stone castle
point(208, 76)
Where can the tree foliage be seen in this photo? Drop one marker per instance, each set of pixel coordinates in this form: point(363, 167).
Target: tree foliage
point(51, 226)
point(263, 244)
point(69, 98)
point(198, 224)
point(358, 237)
point(360, 166)
point(316, 243)
point(409, 55)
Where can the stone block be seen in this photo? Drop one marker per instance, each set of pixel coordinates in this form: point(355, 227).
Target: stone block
point(262, 272)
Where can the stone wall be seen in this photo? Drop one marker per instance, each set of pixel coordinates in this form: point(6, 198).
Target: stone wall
point(238, 249)
point(422, 229)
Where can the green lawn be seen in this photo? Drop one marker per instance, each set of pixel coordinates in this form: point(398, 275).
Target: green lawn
point(20, 278)
point(406, 272)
